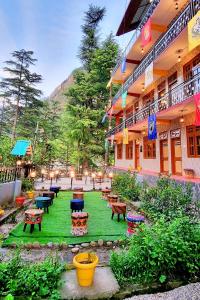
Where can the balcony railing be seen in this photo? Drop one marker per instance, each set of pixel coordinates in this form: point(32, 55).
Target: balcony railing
point(136, 33)
point(173, 97)
point(169, 36)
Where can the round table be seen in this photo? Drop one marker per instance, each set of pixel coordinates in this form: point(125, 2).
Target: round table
point(49, 194)
point(76, 205)
point(78, 195)
point(32, 217)
point(105, 193)
point(43, 202)
point(112, 199)
point(119, 208)
point(55, 189)
point(133, 221)
point(79, 223)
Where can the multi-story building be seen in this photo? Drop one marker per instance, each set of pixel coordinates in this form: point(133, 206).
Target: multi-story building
point(159, 74)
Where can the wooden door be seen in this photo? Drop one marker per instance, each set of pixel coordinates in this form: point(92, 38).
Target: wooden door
point(164, 159)
point(137, 156)
point(176, 156)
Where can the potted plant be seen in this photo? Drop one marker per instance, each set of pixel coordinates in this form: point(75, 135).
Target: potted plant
point(85, 264)
point(27, 187)
point(20, 200)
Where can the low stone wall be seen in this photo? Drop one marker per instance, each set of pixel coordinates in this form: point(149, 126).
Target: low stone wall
point(8, 189)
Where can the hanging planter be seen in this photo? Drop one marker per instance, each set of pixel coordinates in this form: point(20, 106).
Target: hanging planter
point(20, 201)
point(85, 264)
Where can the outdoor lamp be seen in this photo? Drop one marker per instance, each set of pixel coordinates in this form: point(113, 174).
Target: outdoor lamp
point(43, 173)
point(110, 175)
point(72, 175)
point(19, 162)
point(56, 172)
point(86, 175)
point(93, 177)
point(33, 174)
point(51, 175)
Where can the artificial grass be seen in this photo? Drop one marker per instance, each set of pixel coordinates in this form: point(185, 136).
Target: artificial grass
point(56, 226)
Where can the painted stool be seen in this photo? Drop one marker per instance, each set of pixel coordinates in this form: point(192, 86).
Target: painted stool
point(105, 194)
point(32, 217)
point(43, 202)
point(77, 205)
point(119, 209)
point(55, 189)
point(79, 223)
point(133, 222)
point(112, 199)
point(49, 194)
point(78, 189)
point(78, 195)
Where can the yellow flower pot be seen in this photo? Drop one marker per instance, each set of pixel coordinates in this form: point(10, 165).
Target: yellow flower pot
point(84, 268)
point(30, 194)
point(2, 212)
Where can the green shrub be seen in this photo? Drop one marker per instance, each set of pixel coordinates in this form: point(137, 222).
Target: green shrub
point(27, 184)
point(168, 199)
point(126, 186)
point(160, 253)
point(36, 280)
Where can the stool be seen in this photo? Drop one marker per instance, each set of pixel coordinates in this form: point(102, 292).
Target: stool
point(32, 217)
point(76, 205)
point(79, 223)
point(78, 189)
point(43, 202)
point(50, 195)
point(78, 195)
point(119, 209)
point(112, 199)
point(105, 194)
point(55, 189)
point(133, 222)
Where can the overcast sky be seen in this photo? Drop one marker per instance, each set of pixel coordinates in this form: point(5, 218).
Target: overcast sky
point(51, 28)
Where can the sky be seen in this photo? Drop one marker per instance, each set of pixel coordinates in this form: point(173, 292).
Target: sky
point(52, 29)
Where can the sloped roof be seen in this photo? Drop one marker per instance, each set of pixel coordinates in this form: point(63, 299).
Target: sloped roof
point(20, 148)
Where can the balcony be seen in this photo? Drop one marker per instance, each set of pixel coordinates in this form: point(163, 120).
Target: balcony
point(162, 44)
point(174, 97)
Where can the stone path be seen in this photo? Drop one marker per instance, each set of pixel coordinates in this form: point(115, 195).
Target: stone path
point(104, 286)
point(187, 292)
point(65, 184)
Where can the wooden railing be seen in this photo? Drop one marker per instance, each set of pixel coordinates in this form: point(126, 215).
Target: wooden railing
point(9, 174)
point(175, 28)
point(177, 95)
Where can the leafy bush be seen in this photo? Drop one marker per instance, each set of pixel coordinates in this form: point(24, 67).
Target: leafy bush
point(168, 199)
point(37, 280)
point(27, 184)
point(126, 186)
point(160, 253)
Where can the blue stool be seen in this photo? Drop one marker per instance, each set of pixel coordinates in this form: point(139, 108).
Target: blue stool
point(55, 189)
point(76, 205)
point(43, 202)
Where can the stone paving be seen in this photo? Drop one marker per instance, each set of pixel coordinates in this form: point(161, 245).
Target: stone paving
point(187, 292)
point(65, 184)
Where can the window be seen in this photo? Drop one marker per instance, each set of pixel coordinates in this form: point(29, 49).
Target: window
point(187, 68)
point(129, 150)
point(136, 106)
point(119, 151)
point(149, 148)
point(161, 89)
point(193, 141)
point(172, 80)
point(148, 98)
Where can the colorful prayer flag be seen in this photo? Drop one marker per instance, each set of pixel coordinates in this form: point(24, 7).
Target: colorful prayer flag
point(152, 127)
point(125, 136)
point(197, 113)
point(124, 95)
point(146, 33)
point(123, 65)
point(194, 32)
point(148, 75)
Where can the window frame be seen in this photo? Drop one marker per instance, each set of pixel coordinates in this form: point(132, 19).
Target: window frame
point(192, 134)
point(149, 148)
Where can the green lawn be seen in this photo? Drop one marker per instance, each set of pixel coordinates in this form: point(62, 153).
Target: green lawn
point(56, 225)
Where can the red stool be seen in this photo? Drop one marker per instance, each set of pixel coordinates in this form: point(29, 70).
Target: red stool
point(79, 223)
point(112, 199)
point(105, 194)
point(78, 195)
point(119, 209)
point(32, 217)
